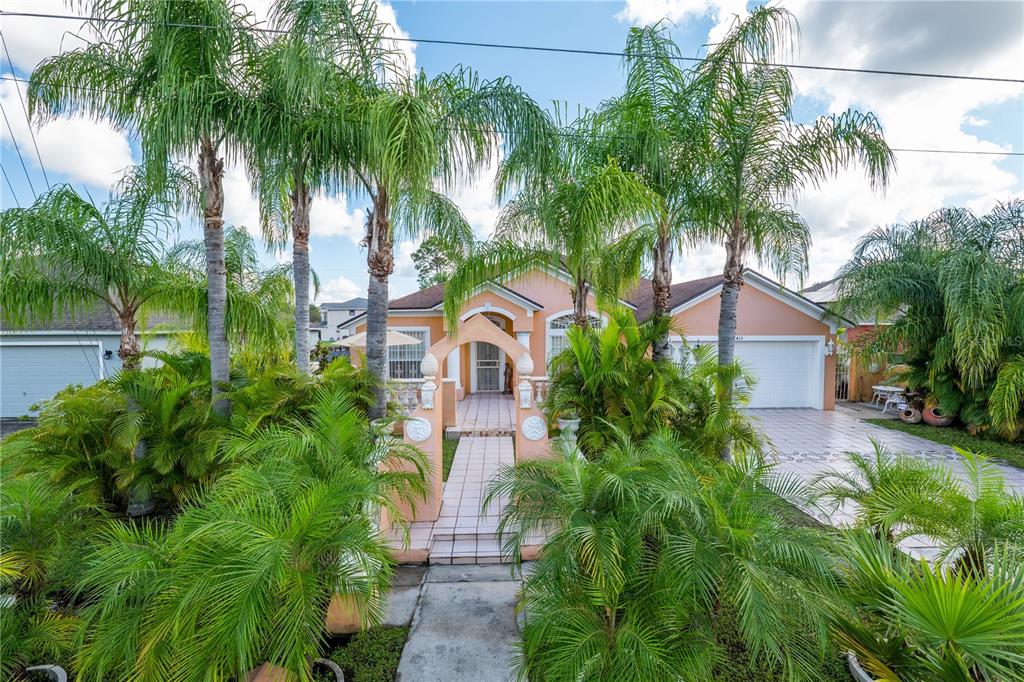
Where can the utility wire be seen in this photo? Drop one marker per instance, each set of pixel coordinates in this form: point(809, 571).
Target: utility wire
point(572, 135)
point(17, 148)
point(24, 108)
point(557, 50)
point(10, 186)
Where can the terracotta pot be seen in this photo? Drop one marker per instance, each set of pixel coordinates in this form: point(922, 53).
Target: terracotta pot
point(933, 416)
point(910, 415)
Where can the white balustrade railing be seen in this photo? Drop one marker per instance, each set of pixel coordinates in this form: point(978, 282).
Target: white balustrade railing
point(540, 390)
point(405, 393)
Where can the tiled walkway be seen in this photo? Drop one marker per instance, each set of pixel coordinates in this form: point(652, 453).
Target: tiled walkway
point(463, 534)
point(485, 414)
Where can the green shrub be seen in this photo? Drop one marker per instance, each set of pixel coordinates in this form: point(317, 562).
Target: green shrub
point(371, 655)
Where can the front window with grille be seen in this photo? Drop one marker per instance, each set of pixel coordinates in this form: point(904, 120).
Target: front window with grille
point(404, 361)
point(557, 326)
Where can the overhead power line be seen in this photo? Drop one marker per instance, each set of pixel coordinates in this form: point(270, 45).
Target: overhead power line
point(14, 143)
point(10, 186)
point(914, 150)
point(24, 108)
point(556, 50)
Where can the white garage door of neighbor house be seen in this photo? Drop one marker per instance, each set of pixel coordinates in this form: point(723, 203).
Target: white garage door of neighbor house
point(789, 373)
point(29, 374)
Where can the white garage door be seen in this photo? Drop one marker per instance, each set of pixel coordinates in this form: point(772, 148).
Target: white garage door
point(789, 373)
point(29, 374)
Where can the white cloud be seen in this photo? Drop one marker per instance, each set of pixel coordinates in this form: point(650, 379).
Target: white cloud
point(330, 217)
point(31, 39)
point(649, 12)
point(340, 288)
point(984, 38)
point(475, 198)
point(241, 208)
point(386, 14)
point(82, 149)
point(966, 38)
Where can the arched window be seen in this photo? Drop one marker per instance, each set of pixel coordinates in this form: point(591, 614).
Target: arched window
point(557, 326)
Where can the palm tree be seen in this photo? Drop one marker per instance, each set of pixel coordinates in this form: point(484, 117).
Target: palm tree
point(953, 286)
point(299, 89)
point(885, 487)
point(575, 214)
point(646, 547)
point(258, 302)
point(657, 129)
point(918, 622)
point(760, 160)
point(412, 139)
point(64, 254)
point(166, 73)
point(253, 561)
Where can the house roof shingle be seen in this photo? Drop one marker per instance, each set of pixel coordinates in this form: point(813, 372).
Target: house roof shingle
point(100, 318)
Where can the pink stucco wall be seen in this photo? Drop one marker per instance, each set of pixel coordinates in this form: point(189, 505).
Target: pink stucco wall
point(759, 314)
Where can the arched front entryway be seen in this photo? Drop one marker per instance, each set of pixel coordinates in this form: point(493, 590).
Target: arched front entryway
point(454, 510)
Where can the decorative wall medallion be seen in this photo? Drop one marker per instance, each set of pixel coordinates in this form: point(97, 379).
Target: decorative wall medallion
point(534, 428)
point(418, 429)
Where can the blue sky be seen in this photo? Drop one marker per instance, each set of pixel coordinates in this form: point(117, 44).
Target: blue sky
point(952, 37)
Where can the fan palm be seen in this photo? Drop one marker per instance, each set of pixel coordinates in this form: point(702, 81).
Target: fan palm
point(165, 72)
point(657, 129)
point(761, 160)
point(953, 286)
point(64, 254)
point(915, 622)
point(253, 561)
point(577, 214)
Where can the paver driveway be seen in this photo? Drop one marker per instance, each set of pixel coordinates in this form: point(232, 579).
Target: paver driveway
point(812, 442)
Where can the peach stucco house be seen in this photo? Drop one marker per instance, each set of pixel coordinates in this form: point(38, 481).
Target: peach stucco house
point(786, 340)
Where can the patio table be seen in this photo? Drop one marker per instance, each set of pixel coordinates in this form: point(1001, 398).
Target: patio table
point(888, 395)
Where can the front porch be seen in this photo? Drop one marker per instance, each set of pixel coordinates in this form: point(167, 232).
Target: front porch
point(484, 414)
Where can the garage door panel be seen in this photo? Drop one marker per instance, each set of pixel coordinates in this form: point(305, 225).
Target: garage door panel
point(29, 374)
point(787, 372)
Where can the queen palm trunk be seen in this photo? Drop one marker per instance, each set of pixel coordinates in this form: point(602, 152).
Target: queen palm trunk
point(301, 201)
point(579, 303)
point(733, 280)
point(211, 178)
point(129, 350)
point(661, 283)
point(380, 263)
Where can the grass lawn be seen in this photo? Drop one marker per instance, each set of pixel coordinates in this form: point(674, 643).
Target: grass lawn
point(370, 656)
point(448, 446)
point(1011, 453)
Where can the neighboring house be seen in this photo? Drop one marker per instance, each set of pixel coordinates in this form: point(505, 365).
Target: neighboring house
point(334, 315)
point(854, 376)
point(782, 337)
point(38, 360)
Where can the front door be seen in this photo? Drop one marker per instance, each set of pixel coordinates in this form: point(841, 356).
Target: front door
point(488, 371)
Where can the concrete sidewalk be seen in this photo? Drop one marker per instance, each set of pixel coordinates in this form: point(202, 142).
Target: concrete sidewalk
point(464, 627)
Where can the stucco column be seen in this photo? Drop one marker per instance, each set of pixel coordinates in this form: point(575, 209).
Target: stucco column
point(524, 339)
point(454, 369)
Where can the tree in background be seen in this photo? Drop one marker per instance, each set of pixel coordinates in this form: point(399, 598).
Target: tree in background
point(952, 285)
point(165, 73)
point(314, 313)
point(435, 261)
point(66, 255)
